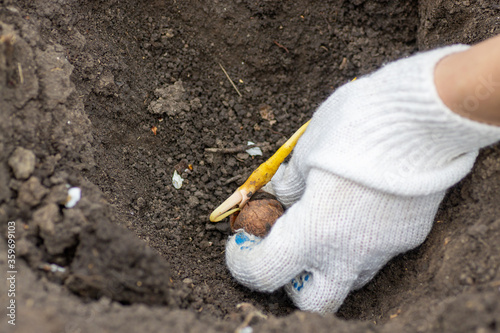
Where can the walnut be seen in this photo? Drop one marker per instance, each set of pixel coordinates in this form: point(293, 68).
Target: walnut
point(258, 215)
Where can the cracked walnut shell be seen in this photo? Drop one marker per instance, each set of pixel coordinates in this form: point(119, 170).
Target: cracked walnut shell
point(258, 215)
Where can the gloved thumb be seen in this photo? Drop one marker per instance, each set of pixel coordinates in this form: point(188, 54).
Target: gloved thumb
point(288, 184)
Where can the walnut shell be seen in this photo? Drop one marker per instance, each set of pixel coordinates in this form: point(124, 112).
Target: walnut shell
point(258, 215)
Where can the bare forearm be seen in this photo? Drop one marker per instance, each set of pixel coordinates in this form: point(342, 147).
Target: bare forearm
point(469, 82)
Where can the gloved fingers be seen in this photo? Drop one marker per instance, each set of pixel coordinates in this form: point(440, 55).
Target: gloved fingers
point(319, 292)
point(265, 264)
point(288, 184)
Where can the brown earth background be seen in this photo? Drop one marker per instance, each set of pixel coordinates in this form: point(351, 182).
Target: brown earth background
point(82, 84)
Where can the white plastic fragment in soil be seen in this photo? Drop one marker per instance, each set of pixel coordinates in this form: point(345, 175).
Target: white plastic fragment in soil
point(254, 151)
point(177, 180)
point(53, 268)
point(74, 195)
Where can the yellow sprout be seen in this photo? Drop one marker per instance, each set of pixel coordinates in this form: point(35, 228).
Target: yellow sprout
point(260, 177)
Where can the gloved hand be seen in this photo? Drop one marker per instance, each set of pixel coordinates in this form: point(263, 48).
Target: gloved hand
point(363, 185)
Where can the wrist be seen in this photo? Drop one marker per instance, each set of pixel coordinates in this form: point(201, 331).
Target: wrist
point(468, 82)
point(391, 131)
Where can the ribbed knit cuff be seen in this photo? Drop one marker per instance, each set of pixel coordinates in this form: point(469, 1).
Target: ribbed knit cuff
point(391, 131)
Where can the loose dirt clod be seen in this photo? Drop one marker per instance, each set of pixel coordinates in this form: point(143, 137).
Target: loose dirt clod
point(22, 163)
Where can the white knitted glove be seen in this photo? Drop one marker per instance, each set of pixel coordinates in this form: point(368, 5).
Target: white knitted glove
point(363, 185)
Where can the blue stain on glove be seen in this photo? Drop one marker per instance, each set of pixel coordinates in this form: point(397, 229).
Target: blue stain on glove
point(246, 240)
point(301, 280)
point(241, 238)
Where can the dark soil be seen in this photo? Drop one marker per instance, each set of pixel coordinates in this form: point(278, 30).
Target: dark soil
point(84, 83)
